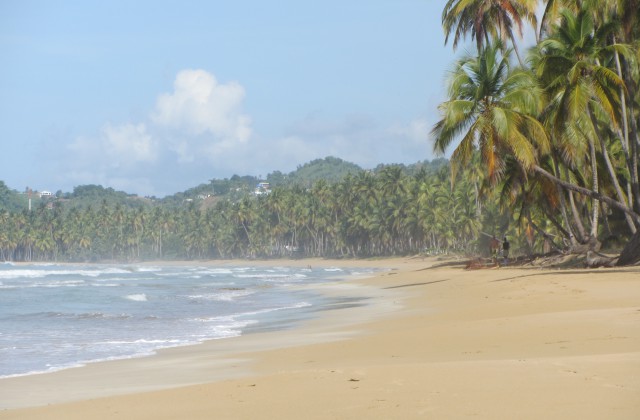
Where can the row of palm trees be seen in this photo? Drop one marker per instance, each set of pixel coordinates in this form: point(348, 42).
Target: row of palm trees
point(366, 214)
point(557, 133)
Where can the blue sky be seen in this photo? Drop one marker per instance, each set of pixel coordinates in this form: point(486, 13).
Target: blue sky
point(153, 97)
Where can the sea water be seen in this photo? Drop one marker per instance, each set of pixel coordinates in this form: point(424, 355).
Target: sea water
point(54, 317)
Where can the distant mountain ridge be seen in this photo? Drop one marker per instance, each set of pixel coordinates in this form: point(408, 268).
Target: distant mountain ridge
point(331, 169)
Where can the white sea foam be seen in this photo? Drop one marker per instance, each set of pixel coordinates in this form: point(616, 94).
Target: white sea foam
point(50, 369)
point(49, 285)
point(272, 276)
point(225, 295)
point(148, 269)
point(223, 326)
point(30, 273)
point(214, 271)
point(139, 297)
point(297, 305)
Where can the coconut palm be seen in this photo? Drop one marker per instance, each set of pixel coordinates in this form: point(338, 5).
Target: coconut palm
point(569, 65)
point(487, 20)
point(492, 108)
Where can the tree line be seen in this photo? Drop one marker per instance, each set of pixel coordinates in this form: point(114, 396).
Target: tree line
point(388, 212)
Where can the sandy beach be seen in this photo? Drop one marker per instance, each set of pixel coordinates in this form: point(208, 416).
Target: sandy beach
point(432, 342)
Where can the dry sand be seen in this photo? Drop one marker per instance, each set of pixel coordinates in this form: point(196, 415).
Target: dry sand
point(434, 343)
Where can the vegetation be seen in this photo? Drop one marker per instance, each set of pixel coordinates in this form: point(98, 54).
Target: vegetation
point(557, 136)
point(386, 212)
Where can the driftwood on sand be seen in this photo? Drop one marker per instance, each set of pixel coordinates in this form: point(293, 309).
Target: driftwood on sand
point(595, 260)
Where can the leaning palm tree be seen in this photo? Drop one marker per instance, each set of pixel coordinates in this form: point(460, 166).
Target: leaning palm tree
point(492, 108)
point(486, 20)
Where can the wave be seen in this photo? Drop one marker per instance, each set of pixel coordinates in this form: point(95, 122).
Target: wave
point(209, 271)
point(224, 295)
point(297, 305)
point(66, 315)
point(270, 277)
point(50, 369)
point(139, 297)
point(49, 285)
point(33, 274)
point(100, 315)
point(224, 326)
point(170, 341)
point(146, 269)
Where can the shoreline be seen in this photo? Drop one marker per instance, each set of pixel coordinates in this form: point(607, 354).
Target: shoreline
point(447, 343)
point(39, 388)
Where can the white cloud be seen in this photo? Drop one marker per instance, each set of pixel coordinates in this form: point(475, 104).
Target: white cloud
point(356, 139)
point(129, 143)
point(116, 145)
point(198, 125)
point(415, 131)
point(199, 104)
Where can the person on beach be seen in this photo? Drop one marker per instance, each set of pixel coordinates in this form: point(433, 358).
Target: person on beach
point(494, 247)
point(505, 249)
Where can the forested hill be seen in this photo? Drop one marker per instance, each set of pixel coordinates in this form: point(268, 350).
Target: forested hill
point(81, 196)
point(330, 169)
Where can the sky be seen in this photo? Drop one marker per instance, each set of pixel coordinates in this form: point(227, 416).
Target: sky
point(155, 97)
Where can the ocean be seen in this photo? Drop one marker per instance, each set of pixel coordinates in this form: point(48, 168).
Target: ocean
point(54, 317)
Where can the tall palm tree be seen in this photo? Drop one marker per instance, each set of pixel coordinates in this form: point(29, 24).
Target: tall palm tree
point(487, 20)
point(492, 108)
point(621, 17)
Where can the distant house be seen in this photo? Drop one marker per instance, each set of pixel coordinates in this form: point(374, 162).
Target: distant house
point(262, 188)
point(46, 194)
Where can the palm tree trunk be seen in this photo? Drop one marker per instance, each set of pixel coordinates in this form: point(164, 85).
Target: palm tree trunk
point(634, 139)
point(515, 49)
point(594, 186)
point(623, 104)
point(605, 219)
point(560, 228)
point(576, 218)
point(588, 193)
point(612, 172)
point(624, 135)
point(563, 206)
point(542, 233)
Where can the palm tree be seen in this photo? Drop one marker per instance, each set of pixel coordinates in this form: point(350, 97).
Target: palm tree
point(493, 108)
point(569, 65)
point(487, 20)
point(621, 17)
